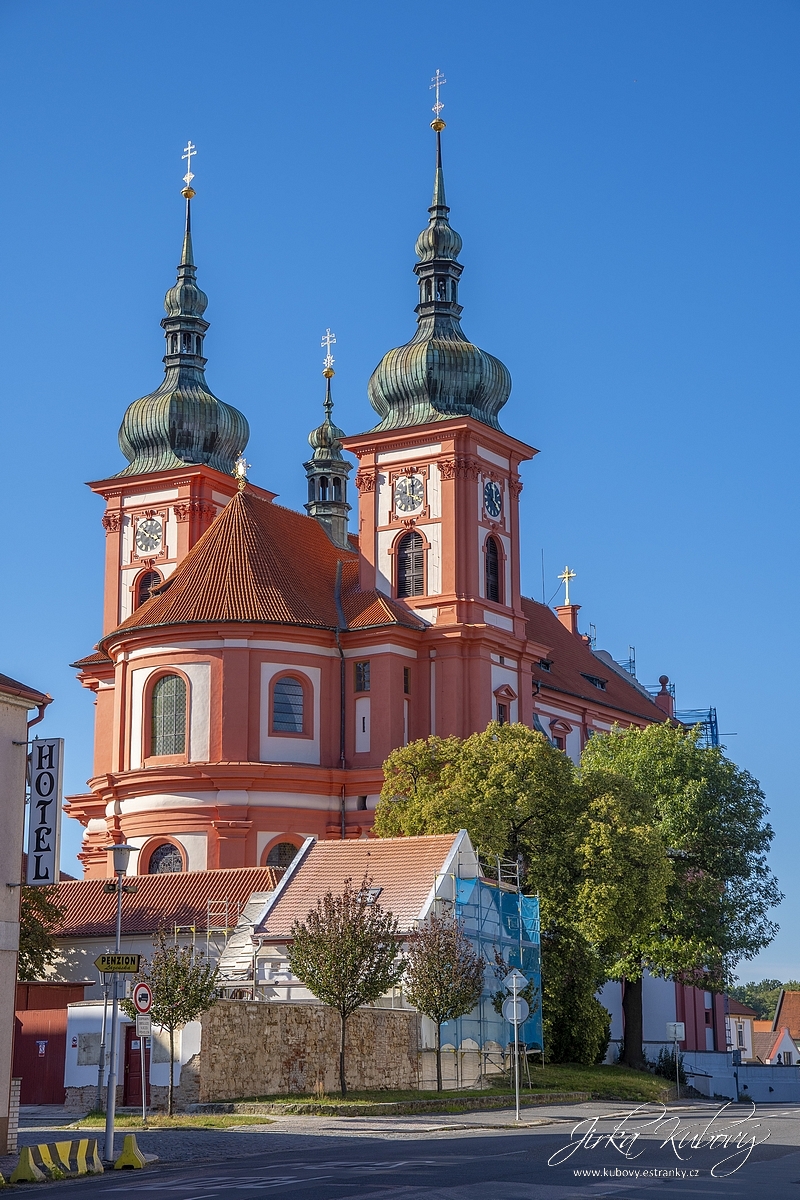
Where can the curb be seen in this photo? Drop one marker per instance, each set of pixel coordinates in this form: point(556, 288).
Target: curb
point(399, 1107)
point(57, 1160)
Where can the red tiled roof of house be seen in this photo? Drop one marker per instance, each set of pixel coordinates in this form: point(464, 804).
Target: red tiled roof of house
point(788, 1013)
point(13, 687)
point(160, 900)
point(571, 660)
point(261, 563)
point(404, 868)
point(737, 1009)
point(762, 1044)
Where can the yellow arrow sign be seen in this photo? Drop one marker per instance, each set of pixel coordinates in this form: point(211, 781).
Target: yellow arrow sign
point(125, 964)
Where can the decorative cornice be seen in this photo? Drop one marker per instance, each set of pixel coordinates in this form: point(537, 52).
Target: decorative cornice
point(459, 467)
point(112, 521)
point(187, 508)
point(365, 481)
point(515, 487)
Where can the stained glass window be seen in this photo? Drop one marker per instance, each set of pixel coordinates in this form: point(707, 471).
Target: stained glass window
point(169, 716)
point(287, 706)
point(165, 860)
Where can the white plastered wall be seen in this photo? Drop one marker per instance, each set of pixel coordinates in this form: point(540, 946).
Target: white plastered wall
point(199, 676)
point(288, 749)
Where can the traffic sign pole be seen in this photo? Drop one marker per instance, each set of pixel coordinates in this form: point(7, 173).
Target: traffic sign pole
point(516, 1049)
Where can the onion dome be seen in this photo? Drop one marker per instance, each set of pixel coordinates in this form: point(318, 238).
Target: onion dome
point(183, 421)
point(439, 374)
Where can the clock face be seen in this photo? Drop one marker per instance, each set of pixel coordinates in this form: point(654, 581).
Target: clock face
point(492, 498)
point(148, 535)
point(408, 493)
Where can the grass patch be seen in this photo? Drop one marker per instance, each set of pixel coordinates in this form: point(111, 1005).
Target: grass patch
point(178, 1121)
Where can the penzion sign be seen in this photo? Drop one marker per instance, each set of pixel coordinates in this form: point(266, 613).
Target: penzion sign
point(44, 828)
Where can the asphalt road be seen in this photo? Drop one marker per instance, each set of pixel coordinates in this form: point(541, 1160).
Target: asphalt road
point(415, 1160)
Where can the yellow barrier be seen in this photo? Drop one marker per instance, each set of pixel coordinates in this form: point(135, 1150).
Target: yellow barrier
point(57, 1160)
point(131, 1155)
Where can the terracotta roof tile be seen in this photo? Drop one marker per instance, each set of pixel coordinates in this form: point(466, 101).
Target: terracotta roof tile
point(14, 688)
point(98, 659)
point(168, 900)
point(788, 1013)
point(572, 660)
point(737, 1009)
point(762, 1044)
point(261, 563)
point(404, 868)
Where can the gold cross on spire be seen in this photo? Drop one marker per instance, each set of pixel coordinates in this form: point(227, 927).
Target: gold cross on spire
point(436, 82)
point(187, 154)
point(328, 340)
point(566, 576)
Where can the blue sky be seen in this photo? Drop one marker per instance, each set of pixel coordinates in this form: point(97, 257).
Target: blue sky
point(625, 179)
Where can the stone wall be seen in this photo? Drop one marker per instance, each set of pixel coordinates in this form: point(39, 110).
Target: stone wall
point(252, 1048)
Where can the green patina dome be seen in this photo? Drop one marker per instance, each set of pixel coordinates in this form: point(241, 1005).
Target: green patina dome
point(183, 421)
point(439, 374)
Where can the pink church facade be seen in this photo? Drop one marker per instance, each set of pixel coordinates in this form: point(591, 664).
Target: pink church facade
point(257, 665)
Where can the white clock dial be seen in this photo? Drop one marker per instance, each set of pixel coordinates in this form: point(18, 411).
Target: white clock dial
point(408, 493)
point(148, 535)
point(492, 499)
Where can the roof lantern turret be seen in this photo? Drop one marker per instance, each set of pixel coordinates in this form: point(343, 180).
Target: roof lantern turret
point(439, 374)
point(327, 470)
point(183, 421)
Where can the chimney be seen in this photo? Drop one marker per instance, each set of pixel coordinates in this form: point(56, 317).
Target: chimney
point(664, 701)
point(568, 616)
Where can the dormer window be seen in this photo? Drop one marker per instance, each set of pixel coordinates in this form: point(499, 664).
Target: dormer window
point(595, 680)
point(545, 664)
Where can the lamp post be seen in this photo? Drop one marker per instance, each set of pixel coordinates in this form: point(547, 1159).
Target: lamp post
point(121, 853)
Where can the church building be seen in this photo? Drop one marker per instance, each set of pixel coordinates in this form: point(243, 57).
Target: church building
point(257, 664)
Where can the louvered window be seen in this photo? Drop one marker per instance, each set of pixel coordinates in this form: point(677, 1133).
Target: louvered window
point(492, 570)
point(168, 729)
point(165, 860)
point(410, 569)
point(149, 580)
point(287, 706)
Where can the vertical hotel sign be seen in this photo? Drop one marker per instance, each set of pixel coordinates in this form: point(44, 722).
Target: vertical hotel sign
point(44, 829)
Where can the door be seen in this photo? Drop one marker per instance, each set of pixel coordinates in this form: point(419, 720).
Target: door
point(40, 1048)
point(132, 1082)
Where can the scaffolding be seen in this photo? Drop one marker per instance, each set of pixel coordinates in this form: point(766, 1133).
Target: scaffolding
point(222, 917)
point(706, 718)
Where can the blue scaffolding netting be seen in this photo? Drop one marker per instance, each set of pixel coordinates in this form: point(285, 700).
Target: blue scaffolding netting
point(504, 923)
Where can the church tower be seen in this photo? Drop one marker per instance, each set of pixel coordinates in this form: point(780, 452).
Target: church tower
point(181, 443)
point(328, 469)
point(438, 478)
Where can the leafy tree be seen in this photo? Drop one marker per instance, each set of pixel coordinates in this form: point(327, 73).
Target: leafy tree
point(40, 916)
point(443, 975)
point(711, 818)
point(763, 997)
point(516, 795)
point(184, 986)
point(347, 953)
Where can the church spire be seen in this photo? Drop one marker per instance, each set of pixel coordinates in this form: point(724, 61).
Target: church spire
point(183, 421)
point(439, 374)
point(327, 469)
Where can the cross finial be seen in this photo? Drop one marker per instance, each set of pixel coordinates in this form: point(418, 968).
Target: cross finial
point(436, 82)
point(328, 340)
point(187, 154)
point(566, 577)
point(240, 469)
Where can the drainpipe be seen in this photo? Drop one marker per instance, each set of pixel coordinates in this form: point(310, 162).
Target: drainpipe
point(342, 625)
point(35, 721)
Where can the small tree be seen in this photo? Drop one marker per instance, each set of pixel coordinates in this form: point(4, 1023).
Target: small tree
point(444, 975)
point(40, 915)
point(184, 986)
point(346, 952)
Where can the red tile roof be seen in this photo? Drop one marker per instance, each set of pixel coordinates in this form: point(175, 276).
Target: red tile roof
point(260, 562)
point(160, 900)
point(737, 1009)
point(99, 658)
point(788, 1013)
point(13, 687)
point(404, 868)
point(572, 660)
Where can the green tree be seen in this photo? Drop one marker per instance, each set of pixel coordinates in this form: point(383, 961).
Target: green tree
point(347, 953)
point(184, 986)
point(516, 795)
point(711, 816)
point(763, 997)
point(40, 916)
point(443, 975)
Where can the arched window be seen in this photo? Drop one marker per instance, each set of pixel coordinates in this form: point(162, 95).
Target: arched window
point(410, 569)
point(441, 289)
point(323, 487)
point(311, 492)
point(173, 343)
point(287, 705)
point(337, 488)
point(168, 720)
point(281, 854)
point(428, 290)
point(199, 343)
point(166, 859)
point(492, 568)
point(144, 585)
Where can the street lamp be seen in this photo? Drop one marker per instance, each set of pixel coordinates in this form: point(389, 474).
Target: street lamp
point(121, 854)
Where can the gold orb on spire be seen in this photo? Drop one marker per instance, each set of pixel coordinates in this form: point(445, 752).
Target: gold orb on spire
point(188, 192)
point(438, 125)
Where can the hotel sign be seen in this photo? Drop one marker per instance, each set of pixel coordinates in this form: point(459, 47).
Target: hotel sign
point(44, 827)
